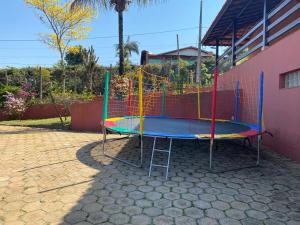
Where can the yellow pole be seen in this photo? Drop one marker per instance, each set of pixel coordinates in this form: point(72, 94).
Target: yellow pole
point(199, 112)
point(140, 77)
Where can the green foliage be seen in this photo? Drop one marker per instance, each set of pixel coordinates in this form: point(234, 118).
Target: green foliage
point(28, 75)
point(14, 76)
point(187, 75)
point(207, 68)
point(74, 57)
point(78, 82)
point(90, 63)
point(70, 96)
point(66, 25)
point(187, 72)
point(45, 72)
point(119, 87)
point(157, 69)
point(129, 48)
point(224, 66)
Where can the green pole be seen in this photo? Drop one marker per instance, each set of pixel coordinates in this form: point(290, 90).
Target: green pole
point(163, 98)
point(105, 102)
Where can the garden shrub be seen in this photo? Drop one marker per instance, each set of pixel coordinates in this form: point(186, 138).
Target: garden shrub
point(15, 102)
point(119, 87)
point(4, 89)
point(14, 105)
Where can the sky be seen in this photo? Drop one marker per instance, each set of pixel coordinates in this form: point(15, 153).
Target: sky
point(18, 21)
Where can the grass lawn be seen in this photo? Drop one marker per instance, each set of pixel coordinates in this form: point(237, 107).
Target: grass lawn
point(52, 123)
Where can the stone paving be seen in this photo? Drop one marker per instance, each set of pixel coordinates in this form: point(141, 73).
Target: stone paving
point(56, 177)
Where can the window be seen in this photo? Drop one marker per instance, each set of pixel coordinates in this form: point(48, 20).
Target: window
point(291, 79)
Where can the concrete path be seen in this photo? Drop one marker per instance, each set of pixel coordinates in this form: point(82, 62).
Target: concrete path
point(57, 177)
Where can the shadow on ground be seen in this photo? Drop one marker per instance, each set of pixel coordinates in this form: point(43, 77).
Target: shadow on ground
point(22, 130)
point(121, 194)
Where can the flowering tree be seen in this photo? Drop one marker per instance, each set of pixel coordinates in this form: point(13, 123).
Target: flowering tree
point(66, 25)
point(119, 87)
point(15, 104)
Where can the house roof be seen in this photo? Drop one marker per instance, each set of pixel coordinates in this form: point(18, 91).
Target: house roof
point(182, 49)
point(246, 12)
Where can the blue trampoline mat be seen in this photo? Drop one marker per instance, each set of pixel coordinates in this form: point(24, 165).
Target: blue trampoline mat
point(180, 128)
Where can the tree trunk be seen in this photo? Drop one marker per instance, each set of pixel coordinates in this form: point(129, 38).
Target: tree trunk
point(121, 43)
point(75, 81)
point(91, 82)
point(6, 77)
point(57, 110)
point(63, 72)
point(64, 83)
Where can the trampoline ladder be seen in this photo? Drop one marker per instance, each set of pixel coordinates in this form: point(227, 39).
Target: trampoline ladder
point(154, 149)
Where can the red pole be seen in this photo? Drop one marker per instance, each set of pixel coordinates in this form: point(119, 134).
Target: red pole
point(214, 105)
point(129, 98)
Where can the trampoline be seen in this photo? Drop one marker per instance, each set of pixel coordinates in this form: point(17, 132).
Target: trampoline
point(146, 104)
point(164, 127)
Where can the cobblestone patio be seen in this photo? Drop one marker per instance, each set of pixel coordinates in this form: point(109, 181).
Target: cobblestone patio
point(55, 177)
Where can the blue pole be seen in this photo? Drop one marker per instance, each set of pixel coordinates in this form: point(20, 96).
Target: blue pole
point(260, 104)
point(236, 111)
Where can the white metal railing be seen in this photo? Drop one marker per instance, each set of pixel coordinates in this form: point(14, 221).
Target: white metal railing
point(248, 44)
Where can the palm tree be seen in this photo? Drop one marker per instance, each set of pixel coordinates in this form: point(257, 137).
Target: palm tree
point(120, 6)
point(129, 48)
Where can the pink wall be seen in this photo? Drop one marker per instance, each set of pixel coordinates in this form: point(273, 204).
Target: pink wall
point(281, 106)
point(86, 116)
point(41, 111)
point(185, 106)
point(44, 111)
point(3, 116)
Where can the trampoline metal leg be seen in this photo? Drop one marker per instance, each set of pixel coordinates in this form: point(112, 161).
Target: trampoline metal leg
point(249, 142)
point(211, 152)
point(103, 140)
point(141, 152)
point(119, 159)
point(258, 149)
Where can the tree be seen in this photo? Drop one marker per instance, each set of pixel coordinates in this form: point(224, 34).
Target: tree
point(90, 63)
point(120, 6)
point(66, 25)
point(129, 48)
point(74, 56)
